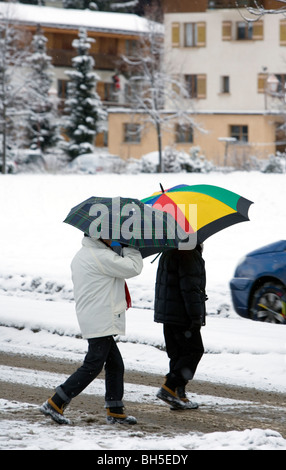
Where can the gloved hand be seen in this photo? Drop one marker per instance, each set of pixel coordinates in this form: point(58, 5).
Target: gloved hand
point(196, 324)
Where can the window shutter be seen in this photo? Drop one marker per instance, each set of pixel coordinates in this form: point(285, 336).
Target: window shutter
point(175, 34)
point(258, 30)
point(262, 77)
point(202, 86)
point(201, 28)
point(100, 90)
point(226, 30)
point(176, 84)
point(282, 32)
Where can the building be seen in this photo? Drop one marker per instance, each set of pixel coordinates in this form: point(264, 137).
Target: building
point(235, 71)
point(115, 35)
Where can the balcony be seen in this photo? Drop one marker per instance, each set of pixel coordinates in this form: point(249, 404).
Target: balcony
point(63, 58)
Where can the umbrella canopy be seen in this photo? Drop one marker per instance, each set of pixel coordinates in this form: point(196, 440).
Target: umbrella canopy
point(201, 209)
point(127, 221)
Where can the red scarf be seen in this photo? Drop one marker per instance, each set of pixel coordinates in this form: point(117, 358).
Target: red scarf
point(128, 297)
point(127, 293)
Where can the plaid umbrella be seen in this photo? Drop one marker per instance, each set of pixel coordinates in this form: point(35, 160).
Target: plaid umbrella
point(202, 209)
point(127, 221)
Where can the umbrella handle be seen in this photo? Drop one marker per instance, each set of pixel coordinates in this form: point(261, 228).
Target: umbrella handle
point(156, 257)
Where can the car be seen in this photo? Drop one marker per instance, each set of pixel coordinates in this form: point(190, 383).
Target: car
point(90, 163)
point(258, 287)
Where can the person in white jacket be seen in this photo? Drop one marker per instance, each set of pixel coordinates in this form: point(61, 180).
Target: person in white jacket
point(98, 275)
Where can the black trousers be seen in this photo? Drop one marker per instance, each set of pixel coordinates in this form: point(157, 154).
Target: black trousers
point(101, 352)
point(185, 349)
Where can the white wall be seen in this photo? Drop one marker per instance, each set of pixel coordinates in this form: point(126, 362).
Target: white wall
point(242, 60)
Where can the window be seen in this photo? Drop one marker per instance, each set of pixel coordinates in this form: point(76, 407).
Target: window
point(244, 30)
point(133, 89)
point(184, 134)
point(263, 86)
point(251, 31)
point(282, 82)
point(188, 34)
point(132, 133)
point(110, 92)
point(62, 86)
point(192, 85)
point(225, 84)
point(62, 89)
point(240, 133)
point(191, 34)
point(131, 47)
point(196, 86)
point(194, 34)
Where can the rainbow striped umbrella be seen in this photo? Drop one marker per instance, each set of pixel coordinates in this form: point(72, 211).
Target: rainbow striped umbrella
point(203, 209)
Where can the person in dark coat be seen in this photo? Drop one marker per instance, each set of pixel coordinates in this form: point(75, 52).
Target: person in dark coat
point(180, 305)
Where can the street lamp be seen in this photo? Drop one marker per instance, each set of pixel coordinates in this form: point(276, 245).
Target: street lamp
point(272, 83)
point(271, 87)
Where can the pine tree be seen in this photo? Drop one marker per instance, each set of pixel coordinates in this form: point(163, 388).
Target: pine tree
point(42, 127)
point(83, 105)
point(13, 54)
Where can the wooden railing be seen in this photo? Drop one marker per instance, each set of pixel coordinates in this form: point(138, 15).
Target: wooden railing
point(63, 58)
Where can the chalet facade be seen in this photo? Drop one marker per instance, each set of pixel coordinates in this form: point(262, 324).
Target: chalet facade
point(235, 72)
point(115, 35)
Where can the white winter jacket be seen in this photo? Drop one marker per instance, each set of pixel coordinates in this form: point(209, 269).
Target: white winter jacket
point(98, 275)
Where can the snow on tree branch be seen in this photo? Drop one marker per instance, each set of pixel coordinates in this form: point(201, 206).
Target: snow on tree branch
point(258, 10)
point(83, 105)
point(158, 96)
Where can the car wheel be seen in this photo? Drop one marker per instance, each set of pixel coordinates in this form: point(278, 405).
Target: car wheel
point(269, 303)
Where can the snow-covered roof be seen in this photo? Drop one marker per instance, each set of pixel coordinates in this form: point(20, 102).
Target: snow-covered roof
point(122, 23)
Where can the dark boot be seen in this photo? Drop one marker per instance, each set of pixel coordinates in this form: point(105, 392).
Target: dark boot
point(170, 396)
point(117, 415)
point(188, 405)
point(54, 407)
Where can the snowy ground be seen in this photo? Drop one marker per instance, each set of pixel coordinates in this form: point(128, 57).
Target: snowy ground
point(35, 251)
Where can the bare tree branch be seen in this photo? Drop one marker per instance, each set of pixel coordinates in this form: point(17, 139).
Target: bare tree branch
point(258, 11)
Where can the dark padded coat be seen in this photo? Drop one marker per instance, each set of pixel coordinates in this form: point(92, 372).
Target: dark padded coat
point(180, 288)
